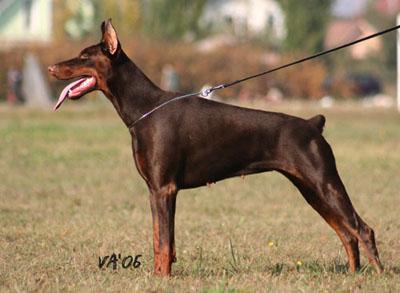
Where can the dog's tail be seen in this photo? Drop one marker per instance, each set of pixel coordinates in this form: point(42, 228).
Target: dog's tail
point(318, 122)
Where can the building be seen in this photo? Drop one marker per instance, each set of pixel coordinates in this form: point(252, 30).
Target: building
point(388, 7)
point(244, 17)
point(23, 21)
point(344, 31)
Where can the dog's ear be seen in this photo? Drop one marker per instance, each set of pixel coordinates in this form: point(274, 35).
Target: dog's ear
point(109, 38)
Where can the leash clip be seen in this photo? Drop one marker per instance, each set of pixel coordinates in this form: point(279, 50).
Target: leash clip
point(206, 92)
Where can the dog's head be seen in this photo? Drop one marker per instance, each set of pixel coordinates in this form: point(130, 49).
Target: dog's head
point(91, 67)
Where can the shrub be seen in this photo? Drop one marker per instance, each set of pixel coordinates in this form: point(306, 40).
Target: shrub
point(194, 68)
point(303, 80)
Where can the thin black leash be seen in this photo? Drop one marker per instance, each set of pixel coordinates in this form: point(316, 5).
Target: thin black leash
point(206, 92)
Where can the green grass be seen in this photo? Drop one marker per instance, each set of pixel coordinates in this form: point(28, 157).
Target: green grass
point(69, 193)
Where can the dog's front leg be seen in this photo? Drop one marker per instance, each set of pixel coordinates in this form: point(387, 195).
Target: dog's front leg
point(162, 202)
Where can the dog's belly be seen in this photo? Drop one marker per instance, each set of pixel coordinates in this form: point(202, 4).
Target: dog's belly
point(197, 179)
point(214, 163)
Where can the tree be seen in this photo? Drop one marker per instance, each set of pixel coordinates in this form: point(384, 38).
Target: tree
point(125, 14)
point(80, 19)
point(387, 58)
point(306, 24)
point(172, 18)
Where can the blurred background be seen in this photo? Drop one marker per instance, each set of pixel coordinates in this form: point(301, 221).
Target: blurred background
point(69, 191)
point(185, 45)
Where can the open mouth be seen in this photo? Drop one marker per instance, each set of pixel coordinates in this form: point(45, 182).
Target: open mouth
point(76, 89)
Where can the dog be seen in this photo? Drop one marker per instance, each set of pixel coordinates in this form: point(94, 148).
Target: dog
point(192, 142)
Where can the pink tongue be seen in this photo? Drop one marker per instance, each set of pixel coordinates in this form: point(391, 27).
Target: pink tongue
point(64, 93)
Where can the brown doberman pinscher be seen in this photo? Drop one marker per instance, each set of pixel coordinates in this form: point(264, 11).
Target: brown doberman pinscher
point(194, 141)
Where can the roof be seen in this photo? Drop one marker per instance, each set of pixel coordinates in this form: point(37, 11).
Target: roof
point(344, 31)
point(390, 7)
point(340, 32)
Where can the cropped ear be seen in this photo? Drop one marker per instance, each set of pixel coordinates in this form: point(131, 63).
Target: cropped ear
point(109, 38)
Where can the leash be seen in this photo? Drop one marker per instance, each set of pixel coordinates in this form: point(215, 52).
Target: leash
point(207, 91)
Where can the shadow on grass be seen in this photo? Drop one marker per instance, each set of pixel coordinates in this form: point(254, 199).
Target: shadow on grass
point(316, 268)
point(312, 268)
point(235, 267)
point(393, 270)
point(275, 270)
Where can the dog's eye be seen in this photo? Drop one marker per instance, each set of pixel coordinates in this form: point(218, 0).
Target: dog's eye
point(84, 56)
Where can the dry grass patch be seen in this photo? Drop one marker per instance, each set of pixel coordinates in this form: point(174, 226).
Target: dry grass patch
point(69, 193)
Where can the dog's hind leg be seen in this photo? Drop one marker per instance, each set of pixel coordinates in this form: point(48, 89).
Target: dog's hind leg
point(366, 235)
point(314, 173)
point(350, 242)
point(163, 202)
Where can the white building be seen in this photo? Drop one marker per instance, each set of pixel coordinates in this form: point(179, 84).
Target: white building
point(245, 17)
point(25, 21)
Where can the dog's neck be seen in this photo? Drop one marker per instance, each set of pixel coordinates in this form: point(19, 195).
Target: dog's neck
point(131, 92)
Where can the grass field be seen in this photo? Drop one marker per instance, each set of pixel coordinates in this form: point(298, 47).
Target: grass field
point(69, 193)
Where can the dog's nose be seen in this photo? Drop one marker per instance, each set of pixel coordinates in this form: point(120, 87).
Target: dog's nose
point(51, 68)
